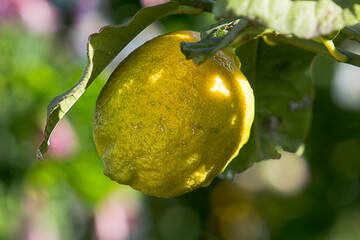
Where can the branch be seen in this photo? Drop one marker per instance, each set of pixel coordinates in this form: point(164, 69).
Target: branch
point(316, 47)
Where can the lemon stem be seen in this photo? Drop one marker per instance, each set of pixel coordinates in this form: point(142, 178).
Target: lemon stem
point(329, 44)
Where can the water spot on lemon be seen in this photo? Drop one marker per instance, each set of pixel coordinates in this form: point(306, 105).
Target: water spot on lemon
point(233, 119)
point(153, 78)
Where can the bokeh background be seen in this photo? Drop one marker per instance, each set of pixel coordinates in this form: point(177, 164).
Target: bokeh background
point(66, 196)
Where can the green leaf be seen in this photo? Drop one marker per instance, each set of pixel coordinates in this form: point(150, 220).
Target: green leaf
point(352, 33)
point(213, 39)
point(102, 48)
point(284, 92)
point(220, 28)
point(304, 19)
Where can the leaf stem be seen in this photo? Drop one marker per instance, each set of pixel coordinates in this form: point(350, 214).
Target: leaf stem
point(268, 41)
point(329, 44)
point(250, 33)
point(316, 47)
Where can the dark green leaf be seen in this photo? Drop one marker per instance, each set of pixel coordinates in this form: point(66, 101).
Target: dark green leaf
point(219, 29)
point(214, 38)
point(102, 48)
point(304, 19)
point(353, 33)
point(284, 92)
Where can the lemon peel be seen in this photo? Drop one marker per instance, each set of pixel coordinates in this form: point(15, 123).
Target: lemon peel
point(165, 126)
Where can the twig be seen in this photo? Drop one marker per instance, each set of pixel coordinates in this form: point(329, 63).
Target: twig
point(333, 51)
point(316, 47)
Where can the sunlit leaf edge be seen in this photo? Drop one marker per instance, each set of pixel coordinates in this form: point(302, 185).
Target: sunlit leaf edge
point(317, 18)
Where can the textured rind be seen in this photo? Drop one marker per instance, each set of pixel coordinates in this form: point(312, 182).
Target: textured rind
point(165, 126)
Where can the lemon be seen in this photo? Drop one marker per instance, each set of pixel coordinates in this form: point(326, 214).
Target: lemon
point(165, 126)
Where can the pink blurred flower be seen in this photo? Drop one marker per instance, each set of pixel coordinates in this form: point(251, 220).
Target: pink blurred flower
point(39, 15)
point(63, 141)
point(117, 217)
point(8, 10)
point(38, 224)
point(88, 20)
point(148, 3)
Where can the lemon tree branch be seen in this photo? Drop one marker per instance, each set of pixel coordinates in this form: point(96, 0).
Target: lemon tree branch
point(316, 47)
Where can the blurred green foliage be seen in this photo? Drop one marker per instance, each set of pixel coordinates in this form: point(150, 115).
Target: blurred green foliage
point(33, 71)
point(64, 196)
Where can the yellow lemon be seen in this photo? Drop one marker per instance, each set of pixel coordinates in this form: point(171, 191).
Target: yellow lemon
point(165, 126)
